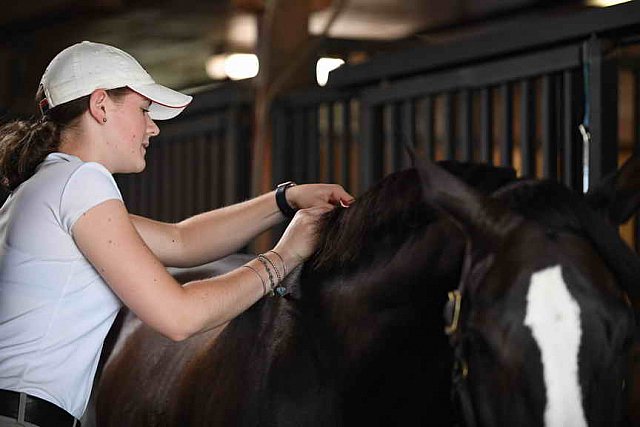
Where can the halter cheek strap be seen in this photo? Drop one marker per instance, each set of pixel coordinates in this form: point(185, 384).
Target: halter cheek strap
point(453, 314)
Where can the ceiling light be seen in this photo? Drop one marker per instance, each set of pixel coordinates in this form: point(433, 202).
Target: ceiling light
point(324, 66)
point(240, 66)
point(605, 3)
point(215, 67)
point(235, 66)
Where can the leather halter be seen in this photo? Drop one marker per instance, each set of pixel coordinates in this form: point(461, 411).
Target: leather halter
point(457, 340)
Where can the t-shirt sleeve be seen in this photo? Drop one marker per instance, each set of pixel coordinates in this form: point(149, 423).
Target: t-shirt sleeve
point(90, 185)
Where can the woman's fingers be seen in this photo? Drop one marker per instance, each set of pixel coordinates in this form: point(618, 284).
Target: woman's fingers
point(344, 198)
point(312, 195)
point(299, 239)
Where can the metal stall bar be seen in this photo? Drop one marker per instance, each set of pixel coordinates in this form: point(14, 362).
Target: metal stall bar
point(217, 159)
point(298, 147)
point(527, 129)
point(636, 111)
point(281, 146)
point(571, 160)
point(449, 130)
point(189, 208)
point(408, 130)
point(371, 144)
point(345, 119)
point(201, 165)
point(313, 144)
point(232, 155)
point(603, 107)
point(153, 186)
point(429, 129)
point(549, 144)
point(329, 144)
point(465, 125)
point(506, 147)
point(486, 128)
point(393, 138)
point(636, 145)
point(167, 182)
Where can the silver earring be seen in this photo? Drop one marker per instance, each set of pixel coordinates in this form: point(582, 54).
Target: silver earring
point(104, 120)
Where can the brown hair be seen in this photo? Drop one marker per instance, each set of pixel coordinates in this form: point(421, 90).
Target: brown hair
point(24, 144)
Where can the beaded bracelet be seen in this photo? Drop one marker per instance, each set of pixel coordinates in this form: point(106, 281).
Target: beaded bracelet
point(284, 266)
point(266, 266)
point(272, 265)
point(264, 285)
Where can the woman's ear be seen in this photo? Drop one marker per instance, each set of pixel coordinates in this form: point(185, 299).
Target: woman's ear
point(98, 105)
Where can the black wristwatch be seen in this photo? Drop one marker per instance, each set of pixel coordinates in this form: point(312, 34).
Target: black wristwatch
point(281, 200)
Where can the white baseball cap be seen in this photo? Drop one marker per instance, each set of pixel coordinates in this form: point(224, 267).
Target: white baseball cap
point(84, 67)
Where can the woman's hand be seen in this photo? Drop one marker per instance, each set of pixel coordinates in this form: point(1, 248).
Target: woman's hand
point(313, 195)
point(299, 240)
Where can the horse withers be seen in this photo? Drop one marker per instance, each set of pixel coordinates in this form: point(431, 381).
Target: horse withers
point(541, 323)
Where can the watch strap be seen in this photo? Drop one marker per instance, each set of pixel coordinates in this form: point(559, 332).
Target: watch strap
point(281, 199)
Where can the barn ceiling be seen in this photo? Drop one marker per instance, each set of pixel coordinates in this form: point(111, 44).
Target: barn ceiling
point(173, 39)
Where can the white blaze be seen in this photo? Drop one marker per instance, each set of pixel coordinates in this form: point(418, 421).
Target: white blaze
point(554, 319)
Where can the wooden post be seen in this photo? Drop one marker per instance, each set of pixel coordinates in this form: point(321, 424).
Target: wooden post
point(285, 63)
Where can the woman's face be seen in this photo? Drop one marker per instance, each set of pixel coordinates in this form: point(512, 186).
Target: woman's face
point(130, 130)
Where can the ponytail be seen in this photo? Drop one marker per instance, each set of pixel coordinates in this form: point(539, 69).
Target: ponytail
point(24, 144)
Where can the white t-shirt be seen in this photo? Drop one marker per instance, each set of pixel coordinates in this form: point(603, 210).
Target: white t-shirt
point(55, 309)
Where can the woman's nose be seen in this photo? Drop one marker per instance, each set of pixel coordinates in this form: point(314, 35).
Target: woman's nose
point(152, 128)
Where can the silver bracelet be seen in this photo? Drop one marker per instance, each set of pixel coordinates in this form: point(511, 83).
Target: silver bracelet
point(284, 266)
point(272, 265)
point(264, 285)
point(266, 267)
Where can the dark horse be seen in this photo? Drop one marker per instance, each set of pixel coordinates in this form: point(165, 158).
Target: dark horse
point(360, 337)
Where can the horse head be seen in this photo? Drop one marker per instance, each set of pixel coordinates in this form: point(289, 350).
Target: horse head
point(540, 322)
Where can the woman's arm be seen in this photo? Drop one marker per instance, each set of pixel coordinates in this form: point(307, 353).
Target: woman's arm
point(210, 235)
point(107, 238)
point(217, 233)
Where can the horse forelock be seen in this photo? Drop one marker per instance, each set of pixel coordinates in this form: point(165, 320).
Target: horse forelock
point(547, 203)
point(559, 209)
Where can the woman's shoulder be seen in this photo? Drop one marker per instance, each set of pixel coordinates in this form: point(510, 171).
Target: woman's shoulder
point(62, 166)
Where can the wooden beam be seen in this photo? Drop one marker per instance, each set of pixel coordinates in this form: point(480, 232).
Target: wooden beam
point(285, 64)
point(257, 6)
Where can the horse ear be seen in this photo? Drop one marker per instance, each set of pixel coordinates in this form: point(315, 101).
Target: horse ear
point(479, 216)
point(618, 194)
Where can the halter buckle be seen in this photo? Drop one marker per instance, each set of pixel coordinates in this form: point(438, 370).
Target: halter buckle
point(452, 312)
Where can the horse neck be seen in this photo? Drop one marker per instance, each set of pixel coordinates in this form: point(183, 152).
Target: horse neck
point(395, 292)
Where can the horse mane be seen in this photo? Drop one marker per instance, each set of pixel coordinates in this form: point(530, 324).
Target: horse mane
point(390, 212)
point(390, 209)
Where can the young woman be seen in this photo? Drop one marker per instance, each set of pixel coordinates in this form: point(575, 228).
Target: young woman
point(71, 254)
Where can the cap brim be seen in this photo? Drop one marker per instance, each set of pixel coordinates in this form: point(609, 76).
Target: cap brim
point(165, 103)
